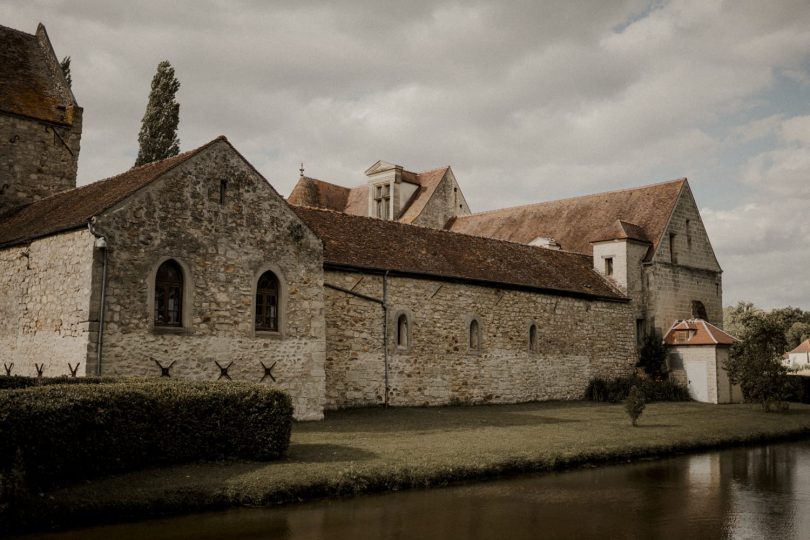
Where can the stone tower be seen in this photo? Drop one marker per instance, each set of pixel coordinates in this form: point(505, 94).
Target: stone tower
point(40, 121)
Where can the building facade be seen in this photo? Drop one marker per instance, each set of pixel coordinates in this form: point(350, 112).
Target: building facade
point(389, 293)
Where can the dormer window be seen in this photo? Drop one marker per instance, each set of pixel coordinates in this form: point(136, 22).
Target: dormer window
point(382, 200)
point(609, 266)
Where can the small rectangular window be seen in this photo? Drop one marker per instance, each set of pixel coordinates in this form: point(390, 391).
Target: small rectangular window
point(608, 266)
point(673, 258)
point(688, 234)
point(223, 186)
point(382, 200)
point(639, 332)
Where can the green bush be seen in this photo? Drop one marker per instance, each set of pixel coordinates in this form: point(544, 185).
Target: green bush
point(634, 404)
point(72, 432)
point(617, 390)
point(16, 381)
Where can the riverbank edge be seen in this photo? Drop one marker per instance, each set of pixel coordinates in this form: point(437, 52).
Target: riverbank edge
point(44, 515)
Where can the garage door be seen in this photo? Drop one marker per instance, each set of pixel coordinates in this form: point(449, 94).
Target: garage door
point(697, 379)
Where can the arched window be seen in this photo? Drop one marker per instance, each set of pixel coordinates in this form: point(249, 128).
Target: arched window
point(169, 294)
point(534, 345)
point(267, 292)
point(475, 336)
point(402, 331)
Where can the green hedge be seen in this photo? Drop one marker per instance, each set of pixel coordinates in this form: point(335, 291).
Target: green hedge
point(78, 431)
point(616, 390)
point(16, 381)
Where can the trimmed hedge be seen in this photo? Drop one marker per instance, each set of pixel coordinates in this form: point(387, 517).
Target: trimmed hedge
point(72, 432)
point(616, 390)
point(17, 381)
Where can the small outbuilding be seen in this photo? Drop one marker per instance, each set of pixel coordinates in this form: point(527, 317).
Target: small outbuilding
point(698, 352)
point(800, 356)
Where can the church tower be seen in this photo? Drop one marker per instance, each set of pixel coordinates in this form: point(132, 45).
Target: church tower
point(40, 121)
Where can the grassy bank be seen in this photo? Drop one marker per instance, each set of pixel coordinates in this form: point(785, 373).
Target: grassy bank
point(369, 450)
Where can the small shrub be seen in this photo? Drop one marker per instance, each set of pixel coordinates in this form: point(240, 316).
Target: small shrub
point(652, 356)
point(78, 431)
point(634, 404)
point(616, 390)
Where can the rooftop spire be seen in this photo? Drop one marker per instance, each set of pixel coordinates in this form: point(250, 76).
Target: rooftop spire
point(302, 169)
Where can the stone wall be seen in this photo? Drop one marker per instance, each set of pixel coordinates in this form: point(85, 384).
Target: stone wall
point(223, 249)
point(578, 339)
point(446, 202)
point(37, 159)
point(45, 304)
point(693, 274)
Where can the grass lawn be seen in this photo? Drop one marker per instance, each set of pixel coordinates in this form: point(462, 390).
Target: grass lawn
point(367, 450)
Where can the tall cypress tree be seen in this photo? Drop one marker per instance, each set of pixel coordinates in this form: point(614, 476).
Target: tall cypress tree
point(158, 136)
point(65, 65)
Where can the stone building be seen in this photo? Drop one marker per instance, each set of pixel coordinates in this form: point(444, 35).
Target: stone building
point(40, 121)
point(388, 293)
point(649, 240)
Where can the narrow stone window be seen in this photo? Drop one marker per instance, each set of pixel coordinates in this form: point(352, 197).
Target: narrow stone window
point(608, 266)
point(267, 293)
point(382, 200)
point(639, 332)
point(534, 344)
point(169, 295)
point(402, 331)
point(475, 336)
point(688, 234)
point(223, 186)
point(673, 258)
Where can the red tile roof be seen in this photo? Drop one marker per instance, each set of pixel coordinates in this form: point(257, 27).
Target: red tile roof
point(804, 347)
point(572, 222)
point(319, 194)
point(428, 182)
point(697, 332)
point(375, 244)
point(621, 230)
point(73, 208)
point(30, 84)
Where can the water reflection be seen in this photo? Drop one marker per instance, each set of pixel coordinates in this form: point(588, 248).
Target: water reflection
point(745, 493)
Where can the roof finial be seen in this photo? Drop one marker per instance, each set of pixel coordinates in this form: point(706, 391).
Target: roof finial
point(302, 169)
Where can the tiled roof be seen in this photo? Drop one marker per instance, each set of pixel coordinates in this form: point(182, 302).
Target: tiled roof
point(572, 222)
point(697, 332)
point(804, 347)
point(428, 181)
point(73, 208)
point(30, 84)
point(319, 194)
point(375, 244)
point(621, 230)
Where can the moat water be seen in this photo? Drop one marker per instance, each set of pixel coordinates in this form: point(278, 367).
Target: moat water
point(761, 492)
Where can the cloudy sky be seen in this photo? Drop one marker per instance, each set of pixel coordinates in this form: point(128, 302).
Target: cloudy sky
point(528, 101)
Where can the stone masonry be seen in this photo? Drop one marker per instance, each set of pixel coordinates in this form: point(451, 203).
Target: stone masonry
point(578, 339)
point(45, 314)
point(223, 249)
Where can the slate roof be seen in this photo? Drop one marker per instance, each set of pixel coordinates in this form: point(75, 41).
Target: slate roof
point(698, 332)
point(573, 222)
point(375, 244)
point(73, 208)
point(316, 193)
point(804, 347)
point(31, 83)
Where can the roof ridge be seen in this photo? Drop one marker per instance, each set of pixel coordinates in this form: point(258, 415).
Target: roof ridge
point(4, 27)
point(587, 195)
point(443, 168)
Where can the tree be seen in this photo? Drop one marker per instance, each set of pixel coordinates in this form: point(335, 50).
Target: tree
point(755, 363)
point(634, 404)
point(65, 65)
point(652, 356)
point(158, 136)
point(797, 333)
